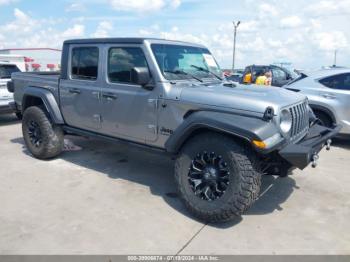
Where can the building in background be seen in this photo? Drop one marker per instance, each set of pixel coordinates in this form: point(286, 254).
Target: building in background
point(34, 59)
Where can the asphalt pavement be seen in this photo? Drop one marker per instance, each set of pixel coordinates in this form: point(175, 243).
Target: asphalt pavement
point(106, 198)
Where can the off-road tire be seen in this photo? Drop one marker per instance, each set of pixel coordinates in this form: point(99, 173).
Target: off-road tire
point(52, 135)
point(244, 177)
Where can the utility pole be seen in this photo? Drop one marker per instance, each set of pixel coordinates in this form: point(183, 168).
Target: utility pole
point(335, 58)
point(235, 26)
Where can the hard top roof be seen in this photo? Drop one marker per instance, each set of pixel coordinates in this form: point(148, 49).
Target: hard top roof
point(326, 72)
point(127, 40)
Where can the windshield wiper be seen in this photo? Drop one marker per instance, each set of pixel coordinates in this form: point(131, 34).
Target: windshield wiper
point(180, 72)
point(199, 68)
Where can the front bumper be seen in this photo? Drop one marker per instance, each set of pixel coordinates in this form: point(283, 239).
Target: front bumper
point(303, 152)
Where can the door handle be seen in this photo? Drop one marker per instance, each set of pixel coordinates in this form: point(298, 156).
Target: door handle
point(74, 91)
point(329, 96)
point(96, 94)
point(109, 96)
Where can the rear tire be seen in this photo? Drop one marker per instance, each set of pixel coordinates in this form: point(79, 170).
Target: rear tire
point(237, 178)
point(42, 138)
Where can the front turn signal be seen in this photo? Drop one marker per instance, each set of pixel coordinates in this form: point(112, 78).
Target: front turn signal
point(259, 144)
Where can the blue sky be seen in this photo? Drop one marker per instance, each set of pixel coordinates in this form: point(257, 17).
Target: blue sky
point(305, 33)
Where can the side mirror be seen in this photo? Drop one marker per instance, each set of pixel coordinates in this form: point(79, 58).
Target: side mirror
point(140, 76)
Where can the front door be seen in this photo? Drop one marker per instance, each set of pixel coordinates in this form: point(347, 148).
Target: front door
point(129, 111)
point(80, 92)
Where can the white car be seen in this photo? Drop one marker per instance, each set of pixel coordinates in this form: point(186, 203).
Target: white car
point(328, 92)
point(6, 98)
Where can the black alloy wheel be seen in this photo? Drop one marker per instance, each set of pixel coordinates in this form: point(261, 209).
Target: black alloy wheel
point(208, 176)
point(34, 133)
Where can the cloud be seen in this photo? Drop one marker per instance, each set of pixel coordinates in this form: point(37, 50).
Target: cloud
point(329, 7)
point(103, 29)
point(267, 10)
point(21, 25)
point(76, 31)
point(249, 26)
point(330, 41)
point(291, 21)
point(75, 7)
point(6, 2)
point(143, 5)
point(175, 3)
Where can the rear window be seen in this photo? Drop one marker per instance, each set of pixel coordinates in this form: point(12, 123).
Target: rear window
point(7, 70)
point(341, 81)
point(85, 63)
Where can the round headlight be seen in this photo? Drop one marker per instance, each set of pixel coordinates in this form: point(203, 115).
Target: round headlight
point(286, 121)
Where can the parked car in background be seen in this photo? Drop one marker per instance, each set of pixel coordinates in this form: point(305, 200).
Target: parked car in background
point(6, 98)
point(328, 92)
point(235, 77)
point(280, 75)
point(18, 60)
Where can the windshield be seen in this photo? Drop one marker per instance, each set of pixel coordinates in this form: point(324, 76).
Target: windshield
point(185, 62)
point(7, 70)
point(292, 73)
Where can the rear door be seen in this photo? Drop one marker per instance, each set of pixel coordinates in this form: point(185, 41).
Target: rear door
point(129, 111)
point(80, 92)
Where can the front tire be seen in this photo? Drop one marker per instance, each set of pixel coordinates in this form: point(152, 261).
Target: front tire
point(217, 178)
point(42, 138)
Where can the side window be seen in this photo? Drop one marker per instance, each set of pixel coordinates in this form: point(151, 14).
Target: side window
point(278, 74)
point(84, 63)
point(121, 60)
point(341, 81)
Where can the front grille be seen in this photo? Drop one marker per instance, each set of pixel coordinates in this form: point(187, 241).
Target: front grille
point(300, 120)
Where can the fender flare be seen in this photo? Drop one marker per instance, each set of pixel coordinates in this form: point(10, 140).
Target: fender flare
point(48, 99)
point(242, 126)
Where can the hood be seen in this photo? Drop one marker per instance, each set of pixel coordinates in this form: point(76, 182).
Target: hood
point(251, 98)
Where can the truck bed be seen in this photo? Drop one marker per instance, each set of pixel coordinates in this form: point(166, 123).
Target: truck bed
point(47, 80)
point(37, 76)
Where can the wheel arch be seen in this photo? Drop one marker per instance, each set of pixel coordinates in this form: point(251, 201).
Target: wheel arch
point(324, 110)
point(240, 127)
point(35, 96)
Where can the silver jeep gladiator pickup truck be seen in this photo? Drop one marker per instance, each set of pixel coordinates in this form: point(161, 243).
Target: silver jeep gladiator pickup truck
point(169, 96)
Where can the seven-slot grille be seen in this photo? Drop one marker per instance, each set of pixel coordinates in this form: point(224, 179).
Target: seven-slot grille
point(300, 120)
